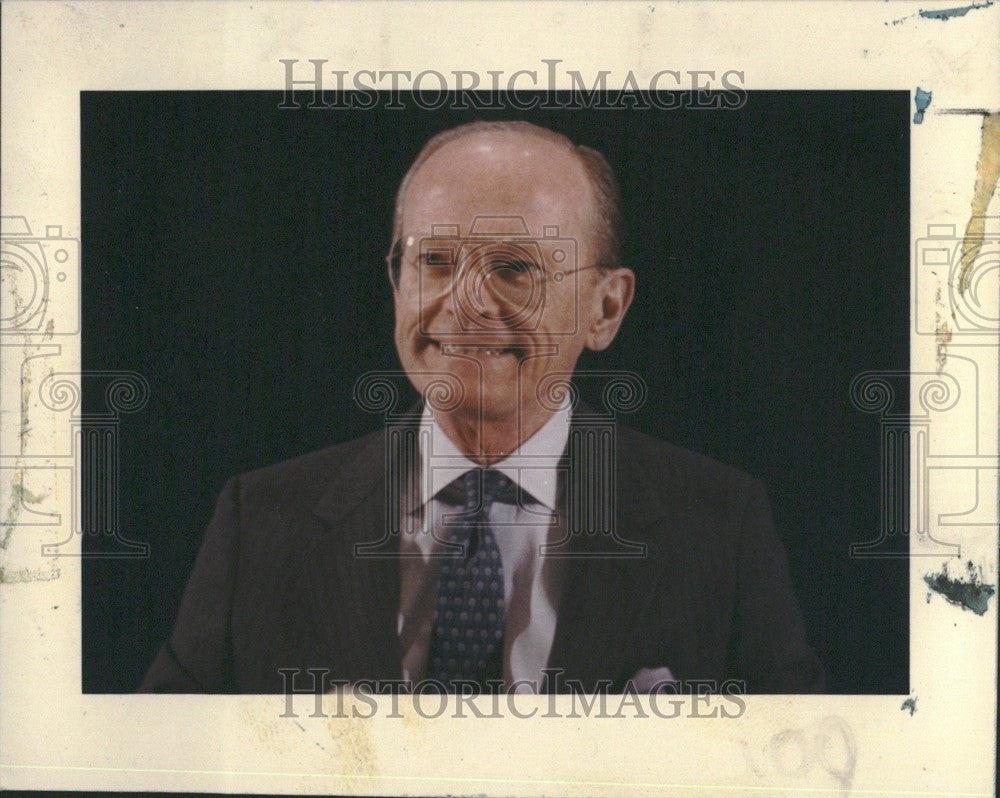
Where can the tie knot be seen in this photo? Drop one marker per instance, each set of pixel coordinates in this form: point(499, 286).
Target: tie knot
point(482, 487)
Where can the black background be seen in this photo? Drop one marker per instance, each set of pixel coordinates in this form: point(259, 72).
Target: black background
point(232, 253)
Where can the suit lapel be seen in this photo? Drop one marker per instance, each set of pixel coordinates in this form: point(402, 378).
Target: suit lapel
point(353, 568)
point(610, 503)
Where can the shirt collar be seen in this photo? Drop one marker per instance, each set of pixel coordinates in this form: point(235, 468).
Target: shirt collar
point(534, 466)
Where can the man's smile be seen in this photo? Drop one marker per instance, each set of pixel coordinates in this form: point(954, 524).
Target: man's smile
point(491, 349)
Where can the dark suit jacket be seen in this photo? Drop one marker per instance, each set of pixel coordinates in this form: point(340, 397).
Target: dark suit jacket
point(279, 583)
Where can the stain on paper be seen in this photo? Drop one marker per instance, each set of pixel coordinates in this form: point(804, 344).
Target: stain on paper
point(944, 14)
point(10, 576)
point(987, 173)
point(354, 745)
point(910, 704)
point(19, 497)
point(971, 593)
point(942, 335)
point(947, 13)
point(921, 99)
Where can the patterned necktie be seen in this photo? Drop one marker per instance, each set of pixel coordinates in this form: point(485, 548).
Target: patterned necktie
point(467, 640)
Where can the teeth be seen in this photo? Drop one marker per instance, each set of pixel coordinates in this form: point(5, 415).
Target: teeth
point(475, 350)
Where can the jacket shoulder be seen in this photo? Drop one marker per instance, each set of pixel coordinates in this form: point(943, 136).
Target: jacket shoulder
point(661, 459)
point(303, 479)
point(663, 478)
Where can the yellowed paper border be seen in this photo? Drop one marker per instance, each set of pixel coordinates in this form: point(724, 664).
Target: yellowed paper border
point(51, 736)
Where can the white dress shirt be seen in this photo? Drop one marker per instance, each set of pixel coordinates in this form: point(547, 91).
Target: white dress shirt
point(532, 583)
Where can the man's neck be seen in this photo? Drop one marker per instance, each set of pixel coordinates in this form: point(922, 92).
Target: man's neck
point(488, 441)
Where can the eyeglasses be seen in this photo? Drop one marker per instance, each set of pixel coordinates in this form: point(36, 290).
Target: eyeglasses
point(510, 271)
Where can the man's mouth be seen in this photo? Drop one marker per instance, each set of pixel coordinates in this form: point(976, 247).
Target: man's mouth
point(492, 350)
point(485, 349)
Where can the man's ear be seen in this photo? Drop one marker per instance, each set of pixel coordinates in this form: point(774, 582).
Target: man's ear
point(612, 296)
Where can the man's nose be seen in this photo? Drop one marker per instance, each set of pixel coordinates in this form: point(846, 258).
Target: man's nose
point(478, 291)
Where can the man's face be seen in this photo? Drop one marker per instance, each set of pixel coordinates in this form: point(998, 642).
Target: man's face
point(495, 226)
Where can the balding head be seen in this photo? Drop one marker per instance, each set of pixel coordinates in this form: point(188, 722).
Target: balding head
point(603, 214)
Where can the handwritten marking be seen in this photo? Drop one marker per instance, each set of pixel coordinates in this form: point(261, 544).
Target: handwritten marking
point(829, 742)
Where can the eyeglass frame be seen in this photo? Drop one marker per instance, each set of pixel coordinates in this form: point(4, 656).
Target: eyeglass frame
point(395, 257)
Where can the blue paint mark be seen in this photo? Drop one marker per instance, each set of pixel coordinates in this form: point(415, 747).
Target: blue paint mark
point(910, 704)
point(948, 13)
point(922, 100)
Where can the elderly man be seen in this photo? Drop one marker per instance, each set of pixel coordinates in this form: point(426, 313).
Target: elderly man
point(503, 536)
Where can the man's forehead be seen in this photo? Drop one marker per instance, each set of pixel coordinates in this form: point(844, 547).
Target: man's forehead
point(494, 174)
